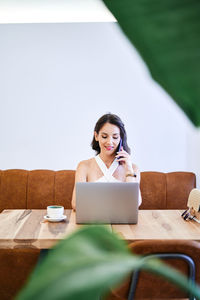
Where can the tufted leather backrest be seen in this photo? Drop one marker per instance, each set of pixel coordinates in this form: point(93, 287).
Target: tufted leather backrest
point(13, 189)
point(39, 188)
point(35, 189)
point(166, 190)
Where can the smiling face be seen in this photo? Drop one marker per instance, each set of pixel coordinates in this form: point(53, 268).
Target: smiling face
point(108, 138)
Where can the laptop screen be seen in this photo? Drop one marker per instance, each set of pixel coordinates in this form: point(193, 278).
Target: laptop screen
point(107, 202)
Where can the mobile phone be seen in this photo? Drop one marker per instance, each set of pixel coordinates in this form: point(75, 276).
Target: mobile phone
point(120, 145)
point(119, 148)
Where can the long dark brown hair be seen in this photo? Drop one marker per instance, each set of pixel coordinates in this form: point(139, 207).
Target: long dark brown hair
point(115, 120)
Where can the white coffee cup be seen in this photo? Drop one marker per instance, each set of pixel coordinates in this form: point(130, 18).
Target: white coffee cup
point(55, 211)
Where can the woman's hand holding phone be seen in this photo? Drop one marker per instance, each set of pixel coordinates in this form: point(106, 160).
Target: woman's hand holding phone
point(124, 157)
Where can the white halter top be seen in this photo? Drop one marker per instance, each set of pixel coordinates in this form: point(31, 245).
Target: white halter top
point(107, 172)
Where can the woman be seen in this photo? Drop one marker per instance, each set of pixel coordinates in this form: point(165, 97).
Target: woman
point(111, 164)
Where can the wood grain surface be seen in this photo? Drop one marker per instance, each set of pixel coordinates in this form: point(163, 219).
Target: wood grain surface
point(28, 228)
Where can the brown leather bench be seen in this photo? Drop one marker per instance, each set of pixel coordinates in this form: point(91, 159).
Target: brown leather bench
point(20, 189)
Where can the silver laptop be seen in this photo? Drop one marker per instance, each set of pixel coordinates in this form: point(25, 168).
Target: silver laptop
point(107, 202)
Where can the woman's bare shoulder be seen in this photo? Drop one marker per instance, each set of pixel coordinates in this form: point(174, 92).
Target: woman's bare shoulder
point(135, 167)
point(85, 164)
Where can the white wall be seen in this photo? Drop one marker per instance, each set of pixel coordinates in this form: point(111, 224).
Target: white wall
point(56, 80)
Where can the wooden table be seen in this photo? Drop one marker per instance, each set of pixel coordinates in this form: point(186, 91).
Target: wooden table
point(27, 228)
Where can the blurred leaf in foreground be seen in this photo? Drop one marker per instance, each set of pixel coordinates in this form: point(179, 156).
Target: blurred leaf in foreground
point(87, 264)
point(166, 33)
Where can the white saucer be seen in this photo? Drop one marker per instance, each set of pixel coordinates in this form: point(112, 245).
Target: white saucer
point(63, 217)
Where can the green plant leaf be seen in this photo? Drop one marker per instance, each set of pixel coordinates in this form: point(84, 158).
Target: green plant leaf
point(166, 33)
point(87, 264)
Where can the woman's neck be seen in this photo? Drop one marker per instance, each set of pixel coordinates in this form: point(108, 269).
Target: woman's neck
point(107, 159)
